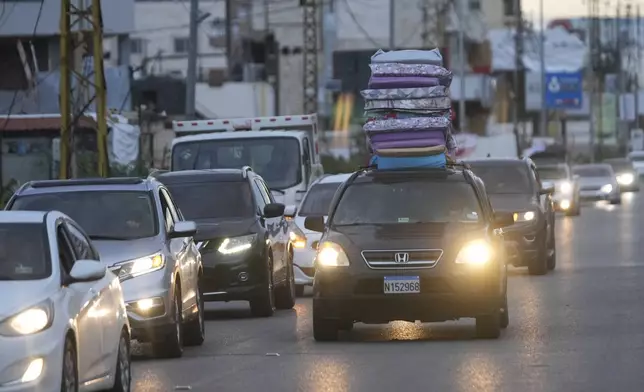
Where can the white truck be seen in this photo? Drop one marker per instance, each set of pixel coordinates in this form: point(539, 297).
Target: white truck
point(284, 150)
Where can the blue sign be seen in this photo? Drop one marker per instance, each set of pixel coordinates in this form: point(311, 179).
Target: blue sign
point(564, 90)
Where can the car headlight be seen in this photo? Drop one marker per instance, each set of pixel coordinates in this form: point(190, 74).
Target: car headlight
point(29, 321)
point(565, 187)
point(141, 266)
point(237, 244)
point(331, 254)
point(475, 252)
point(608, 188)
point(526, 216)
point(625, 179)
point(297, 237)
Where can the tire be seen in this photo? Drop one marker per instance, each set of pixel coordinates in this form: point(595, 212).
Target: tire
point(172, 345)
point(285, 294)
point(617, 201)
point(504, 319)
point(123, 377)
point(263, 305)
point(194, 332)
point(325, 330)
point(539, 265)
point(299, 290)
point(489, 326)
point(69, 379)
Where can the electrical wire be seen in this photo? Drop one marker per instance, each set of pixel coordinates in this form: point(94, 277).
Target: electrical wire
point(360, 26)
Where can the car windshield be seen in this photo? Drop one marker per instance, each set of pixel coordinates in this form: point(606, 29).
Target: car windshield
point(24, 251)
point(592, 171)
point(318, 199)
point(420, 201)
point(552, 173)
point(504, 179)
point(213, 200)
point(637, 157)
point(104, 215)
point(276, 159)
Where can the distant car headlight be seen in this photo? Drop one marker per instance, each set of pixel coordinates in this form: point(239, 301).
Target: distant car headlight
point(297, 237)
point(608, 188)
point(476, 252)
point(237, 244)
point(331, 254)
point(140, 266)
point(625, 179)
point(565, 187)
point(524, 216)
point(29, 321)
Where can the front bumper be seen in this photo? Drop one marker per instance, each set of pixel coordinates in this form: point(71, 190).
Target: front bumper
point(303, 262)
point(234, 277)
point(359, 296)
point(523, 242)
point(599, 195)
point(564, 201)
point(18, 352)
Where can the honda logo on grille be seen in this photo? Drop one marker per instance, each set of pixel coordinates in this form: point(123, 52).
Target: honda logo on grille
point(401, 257)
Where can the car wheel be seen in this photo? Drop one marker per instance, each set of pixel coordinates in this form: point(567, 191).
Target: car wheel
point(539, 264)
point(123, 377)
point(505, 312)
point(489, 326)
point(69, 381)
point(172, 346)
point(299, 290)
point(285, 294)
point(194, 332)
point(325, 330)
point(616, 201)
point(263, 305)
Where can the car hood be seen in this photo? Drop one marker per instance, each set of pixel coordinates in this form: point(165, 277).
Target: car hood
point(595, 181)
point(512, 202)
point(20, 295)
point(406, 236)
point(113, 252)
point(208, 229)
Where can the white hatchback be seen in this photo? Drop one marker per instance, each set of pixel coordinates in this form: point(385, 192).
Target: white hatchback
point(63, 323)
point(316, 202)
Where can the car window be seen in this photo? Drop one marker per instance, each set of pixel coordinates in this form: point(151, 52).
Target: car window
point(266, 193)
point(168, 219)
point(24, 251)
point(552, 173)
point(213, 200)
point(171, 206)
point(535, 177)
point(318, 199)
point(65, 253)
point(259, 197)
point(82, 247)
point(419, 201)
point(103, 215)
point(504, 179)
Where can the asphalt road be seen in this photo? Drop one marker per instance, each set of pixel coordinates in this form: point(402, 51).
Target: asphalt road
point(579, 329)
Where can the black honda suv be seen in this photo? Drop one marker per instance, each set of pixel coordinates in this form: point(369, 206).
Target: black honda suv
point(410, 245)
point(242, 235)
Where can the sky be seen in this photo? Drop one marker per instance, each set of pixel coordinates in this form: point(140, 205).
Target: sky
point(553, 9)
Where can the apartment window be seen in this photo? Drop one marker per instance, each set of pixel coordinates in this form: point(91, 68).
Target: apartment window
point(475, 5)
point(137, 45)
point(181, 45)
point(509, 8)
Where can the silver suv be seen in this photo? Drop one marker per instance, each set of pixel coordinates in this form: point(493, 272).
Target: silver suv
point(142, 236)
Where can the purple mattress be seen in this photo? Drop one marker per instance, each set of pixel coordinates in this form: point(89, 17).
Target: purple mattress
point(407, 135)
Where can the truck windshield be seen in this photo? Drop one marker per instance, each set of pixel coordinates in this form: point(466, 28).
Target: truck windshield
point(276, 159)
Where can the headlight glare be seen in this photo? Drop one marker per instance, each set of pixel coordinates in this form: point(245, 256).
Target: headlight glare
point(331, 254)
point(236, 245)
point(477, 252)
point(608, 188)
point(524, 216)
point(565, 187)
point(297, 237)
point(29, 321)
point(625, 179)
point(140, 266)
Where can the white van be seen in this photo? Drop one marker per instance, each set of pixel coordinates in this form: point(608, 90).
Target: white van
point(283, 150)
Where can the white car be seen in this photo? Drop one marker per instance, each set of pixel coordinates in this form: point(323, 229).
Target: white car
point(63, 323)
point(316, 202)
point(637, 157)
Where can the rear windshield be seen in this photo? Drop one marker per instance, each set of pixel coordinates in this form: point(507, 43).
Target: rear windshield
point(213, 200)
point(318, 199)
point(104, 215)
point(637, 157)
point(504, 179)
point(418, 201)
point(592, 171)
point(24, 251)
point(552, 173)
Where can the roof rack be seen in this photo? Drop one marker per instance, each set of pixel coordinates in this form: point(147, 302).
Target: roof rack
point(86, 181)
point(450, 165)
point(245, 170)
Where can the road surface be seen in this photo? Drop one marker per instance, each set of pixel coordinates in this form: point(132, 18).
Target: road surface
point(579, 329)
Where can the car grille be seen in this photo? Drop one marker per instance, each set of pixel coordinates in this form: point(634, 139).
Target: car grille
point(388, 259)
point(591, 187)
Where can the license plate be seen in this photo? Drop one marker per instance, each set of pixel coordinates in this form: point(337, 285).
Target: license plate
point(401, 284)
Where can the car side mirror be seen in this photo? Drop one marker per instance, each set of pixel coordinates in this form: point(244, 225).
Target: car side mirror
point(183, 229)
point(290, 211)
point(87, 271)
point(503, 219)
point(547, 190)
point(274, 210)
point(314, 223)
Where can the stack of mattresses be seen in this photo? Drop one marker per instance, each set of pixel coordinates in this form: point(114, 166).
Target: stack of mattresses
point(408, 110)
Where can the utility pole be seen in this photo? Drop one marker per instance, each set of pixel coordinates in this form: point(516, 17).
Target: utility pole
point(310, 11)
point(329, 38)
point(193, 48)
point(636, 78)
point(462, 21)
point(90, 45)
point(542, 65)
point(229, 38)
point(518, 68)
point(592, 37)
point(392, 25)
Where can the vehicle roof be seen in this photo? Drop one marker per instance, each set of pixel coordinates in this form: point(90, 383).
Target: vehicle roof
point(201, 175)
point(335, 178)
point(22, 216)
point(496, 162)
point(239, 135)
point(88, 184)
point(403, 174)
